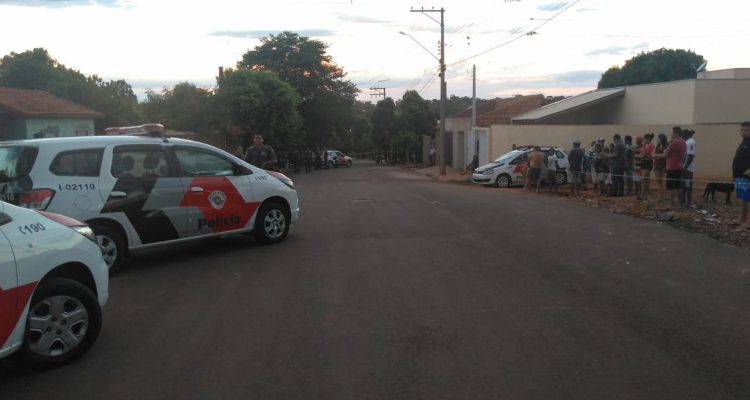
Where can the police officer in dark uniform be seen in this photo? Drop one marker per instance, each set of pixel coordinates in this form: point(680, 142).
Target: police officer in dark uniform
point(260, 155)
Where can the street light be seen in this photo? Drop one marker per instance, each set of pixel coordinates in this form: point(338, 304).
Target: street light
point(420, 45)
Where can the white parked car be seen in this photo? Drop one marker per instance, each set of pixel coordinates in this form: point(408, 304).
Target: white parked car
point(138, 189)
point(53, 283)
point(509, 169)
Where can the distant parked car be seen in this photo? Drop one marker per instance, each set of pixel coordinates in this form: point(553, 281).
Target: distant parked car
point(335, 160)
point(509, 168)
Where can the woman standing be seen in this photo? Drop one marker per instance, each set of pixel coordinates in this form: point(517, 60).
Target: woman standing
point(647, 164)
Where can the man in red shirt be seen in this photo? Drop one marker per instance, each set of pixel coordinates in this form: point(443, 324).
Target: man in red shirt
point(675, 154)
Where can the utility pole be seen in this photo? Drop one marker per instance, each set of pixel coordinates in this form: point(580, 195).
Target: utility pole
point(377, 92)
point(441, 139)
point(474, 108)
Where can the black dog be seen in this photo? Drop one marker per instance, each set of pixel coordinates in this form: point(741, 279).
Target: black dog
point(714, 187)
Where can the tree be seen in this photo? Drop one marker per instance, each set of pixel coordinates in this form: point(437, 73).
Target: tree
point(36, 69)
point(185, 107)
point(415, 115)
point(663, 65)
point(327, 99)
point(384, 123)
point(261, 102)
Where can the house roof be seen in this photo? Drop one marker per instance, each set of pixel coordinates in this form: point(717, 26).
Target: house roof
point(38, 103)
point(570, 104)
point(501, 111)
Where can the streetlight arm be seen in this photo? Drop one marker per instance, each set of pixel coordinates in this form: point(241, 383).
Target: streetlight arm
point(420, 45)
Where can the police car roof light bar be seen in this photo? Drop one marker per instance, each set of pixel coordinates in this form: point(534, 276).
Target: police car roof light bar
point(154, 130)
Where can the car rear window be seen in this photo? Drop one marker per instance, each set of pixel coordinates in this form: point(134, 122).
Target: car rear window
point(16, 162)
point(84, 162)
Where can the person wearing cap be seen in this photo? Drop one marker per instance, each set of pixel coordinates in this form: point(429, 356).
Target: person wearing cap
point(575, 160)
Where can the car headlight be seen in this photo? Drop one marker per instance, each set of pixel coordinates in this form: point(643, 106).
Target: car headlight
point(86, 231)
point(488, 171)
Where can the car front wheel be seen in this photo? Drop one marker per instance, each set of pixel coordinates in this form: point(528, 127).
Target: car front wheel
point(112, 245)
point(502, 181)
point(63, 322)
point(561, 177)
point(272, 223)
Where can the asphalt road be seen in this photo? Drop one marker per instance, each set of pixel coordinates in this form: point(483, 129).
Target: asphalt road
point(393, 286)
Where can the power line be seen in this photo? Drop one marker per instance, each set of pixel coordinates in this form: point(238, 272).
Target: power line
point(528, 33)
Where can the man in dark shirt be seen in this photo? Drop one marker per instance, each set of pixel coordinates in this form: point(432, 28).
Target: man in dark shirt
point(620, 162)
point(575, 160)
point(260, 155)
point(741, 174)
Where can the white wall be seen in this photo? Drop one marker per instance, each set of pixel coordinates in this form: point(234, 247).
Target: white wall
point(716, 143)
point(658, 103)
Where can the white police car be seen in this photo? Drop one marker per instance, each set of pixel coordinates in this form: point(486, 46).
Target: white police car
point(53, 283)
point(510, 168)
point(138, 189)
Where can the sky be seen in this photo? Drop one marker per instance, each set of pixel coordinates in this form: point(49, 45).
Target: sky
point(552, 47)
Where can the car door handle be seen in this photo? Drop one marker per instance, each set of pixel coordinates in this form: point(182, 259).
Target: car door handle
point(118, 194)
point(196, 189)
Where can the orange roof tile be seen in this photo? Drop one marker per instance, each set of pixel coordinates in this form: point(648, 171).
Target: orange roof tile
point(38, 103)
point(501, 111)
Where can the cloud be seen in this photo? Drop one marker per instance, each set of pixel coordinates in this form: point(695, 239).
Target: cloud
point(62, 3)
point(552, 6)
point(569, 79)
point(613, 50)
point(361, 19)
point(582, 76)
point(640, 46)
point(257, 34)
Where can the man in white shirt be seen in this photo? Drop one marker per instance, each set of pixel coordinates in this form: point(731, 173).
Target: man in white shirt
point(688, 166)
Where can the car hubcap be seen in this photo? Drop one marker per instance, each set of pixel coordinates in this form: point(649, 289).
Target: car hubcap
point(560, 179)
point(57, 325)
point(275, 224)
point(502, 181)
point(109, 249)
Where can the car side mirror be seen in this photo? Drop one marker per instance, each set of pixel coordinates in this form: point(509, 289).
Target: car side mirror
point(5, 218)
point(241, 170)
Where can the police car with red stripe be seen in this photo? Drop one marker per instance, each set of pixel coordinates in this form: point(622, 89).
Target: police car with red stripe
point(53, 283)
point(138, 189)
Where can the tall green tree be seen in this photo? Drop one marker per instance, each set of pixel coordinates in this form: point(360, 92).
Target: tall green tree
point(327, 98)
point(185, 107)
point(36, 69)
point(415, 114)
point(663, 65)
point(384, 123)
point(261, 102)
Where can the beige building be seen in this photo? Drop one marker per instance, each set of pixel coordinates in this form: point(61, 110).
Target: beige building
point(713, 105)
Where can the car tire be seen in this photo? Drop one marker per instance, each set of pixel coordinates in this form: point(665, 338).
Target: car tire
point(112, 244)
point(272, 223)
point(64, 321)
point(349, 164)
point(561, 177)
point(502, 181)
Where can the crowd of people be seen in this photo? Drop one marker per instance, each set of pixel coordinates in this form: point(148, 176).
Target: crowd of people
point(627, 167)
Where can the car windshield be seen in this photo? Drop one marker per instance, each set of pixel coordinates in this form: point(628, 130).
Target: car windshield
point(16, 162)
point(507, 156)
